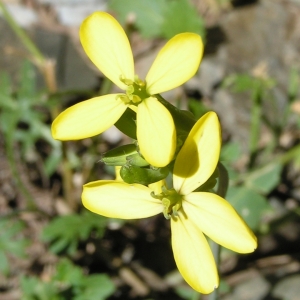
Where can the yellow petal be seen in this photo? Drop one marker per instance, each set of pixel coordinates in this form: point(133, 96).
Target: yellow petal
point(198, 158)
point(218, 220)
point(156, 187)
point(176, 63)
point(117, 171)
point(193, 255)
point(88, 118)
point(116, 199)
point(155, 132)
point(107, 46)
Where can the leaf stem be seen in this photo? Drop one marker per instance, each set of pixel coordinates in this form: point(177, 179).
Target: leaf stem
point(256, 111)
point(35, 52)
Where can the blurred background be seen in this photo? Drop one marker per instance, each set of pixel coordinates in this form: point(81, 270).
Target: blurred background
point(50, 246)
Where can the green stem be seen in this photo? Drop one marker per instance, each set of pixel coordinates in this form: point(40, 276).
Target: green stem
point(281, 159)
point(288, 155)
point(256, 111)
point(35, 52)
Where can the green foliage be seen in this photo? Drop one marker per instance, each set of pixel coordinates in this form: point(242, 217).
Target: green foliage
point(181, 16)
point(12, 242)
point(248, 194)
point(159, 18)
point(23, 116)
point(148, 14)
point(197, 108)
point(264, 179)
point(95, 287)
point(249, 204)
point(35, 289)
point(68, 282)
point(230, 152)
point(245, 82)
point(65, 232)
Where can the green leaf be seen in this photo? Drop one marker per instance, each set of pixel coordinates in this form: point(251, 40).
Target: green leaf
point(230, 152)
point(6, 99)
point(249, 204)
point(52, 161)
point(65, 232)
point(265, 179)
point(34, 289)
point(98, 287)
point(12, 242)
point(4, 263)
point(181, 16)
point(147, 15)
point(197, 108)
point(68, 273)
point(27, 91)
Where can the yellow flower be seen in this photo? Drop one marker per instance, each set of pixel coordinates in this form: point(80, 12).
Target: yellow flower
point(192, 214)
point(107, 45)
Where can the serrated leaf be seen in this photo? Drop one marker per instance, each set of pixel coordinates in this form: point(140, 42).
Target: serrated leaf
point(180, 17)
point(65, 232)
point(95, 286)
point(34, 289)
point(6, 100)
point(68, 273)
point(12, 241)
point(249, 204)
point(265, 179)
point(26, 91)
point(148, 15)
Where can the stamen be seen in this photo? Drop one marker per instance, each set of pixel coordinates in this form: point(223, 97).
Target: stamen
point(166, 203)
point(171, 202)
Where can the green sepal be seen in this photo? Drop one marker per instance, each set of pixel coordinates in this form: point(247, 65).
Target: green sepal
point(127, 123)
point(183, 120)
point(136, 160)
point(118, 156)
point(208, 185)
point(145, 176)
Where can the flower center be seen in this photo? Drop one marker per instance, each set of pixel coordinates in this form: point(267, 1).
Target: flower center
point(171, 201)
point(135, 92)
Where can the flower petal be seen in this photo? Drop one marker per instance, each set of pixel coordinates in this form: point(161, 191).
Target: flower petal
point(156, 187)
point(155, 132)
point(193, 255)
point(218, 220)
point(198, 158)
point(116, 199)
point(88, 118)
point(107, 46)
point(176, 63)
